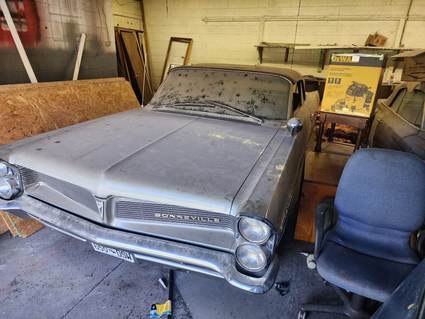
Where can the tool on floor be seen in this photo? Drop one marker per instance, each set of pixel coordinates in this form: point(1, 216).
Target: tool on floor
point(164, 310)
point(283, 287)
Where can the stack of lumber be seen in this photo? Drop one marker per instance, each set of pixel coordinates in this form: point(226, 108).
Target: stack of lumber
point(30, 109)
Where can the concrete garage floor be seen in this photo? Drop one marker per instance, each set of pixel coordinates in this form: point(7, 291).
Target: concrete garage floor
point(50, 275)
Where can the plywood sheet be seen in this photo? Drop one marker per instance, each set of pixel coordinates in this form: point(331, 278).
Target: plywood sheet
point(29, 109)
point(3, 226)
point(19, 226)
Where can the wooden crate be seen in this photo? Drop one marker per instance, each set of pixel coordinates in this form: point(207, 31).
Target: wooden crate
point(30, 109)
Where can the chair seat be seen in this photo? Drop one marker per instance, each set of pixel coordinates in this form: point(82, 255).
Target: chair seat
point(365, 275)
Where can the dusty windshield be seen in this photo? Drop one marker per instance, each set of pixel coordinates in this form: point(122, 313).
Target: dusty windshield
point(225, 92)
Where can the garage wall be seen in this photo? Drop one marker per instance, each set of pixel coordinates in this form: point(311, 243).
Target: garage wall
point(50, 31)
point(225, 31)
point(127, 14)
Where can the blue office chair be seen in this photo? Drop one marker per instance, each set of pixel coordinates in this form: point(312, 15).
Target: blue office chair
point(372, 235)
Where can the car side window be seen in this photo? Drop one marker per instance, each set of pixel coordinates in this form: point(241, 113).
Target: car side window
point(299, 96)
point(398, 99)
point(412, 107)
point(302, 89)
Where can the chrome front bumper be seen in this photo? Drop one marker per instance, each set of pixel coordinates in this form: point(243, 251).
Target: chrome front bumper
point(174, 254)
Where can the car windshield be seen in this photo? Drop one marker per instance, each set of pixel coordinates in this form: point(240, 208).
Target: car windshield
point(251, 95)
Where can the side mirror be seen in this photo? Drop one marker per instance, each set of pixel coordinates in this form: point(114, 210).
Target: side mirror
point(294, 125)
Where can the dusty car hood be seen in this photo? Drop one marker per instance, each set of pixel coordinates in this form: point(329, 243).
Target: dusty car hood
point(169, 158)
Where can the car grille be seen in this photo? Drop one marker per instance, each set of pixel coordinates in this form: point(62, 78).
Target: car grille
point(149, 211)
point(29, 176)
point(74, 194)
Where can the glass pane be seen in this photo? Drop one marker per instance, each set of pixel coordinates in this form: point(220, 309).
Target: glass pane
point(261, 95)
point(397, 101)
point(412, 107)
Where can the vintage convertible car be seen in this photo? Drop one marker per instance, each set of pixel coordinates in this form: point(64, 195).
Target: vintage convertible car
point(399, 122)
point(203, 178)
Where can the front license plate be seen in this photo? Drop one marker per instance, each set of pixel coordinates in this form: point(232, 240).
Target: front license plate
point(122, 254)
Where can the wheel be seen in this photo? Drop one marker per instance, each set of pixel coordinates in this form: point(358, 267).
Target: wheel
point(302, 314)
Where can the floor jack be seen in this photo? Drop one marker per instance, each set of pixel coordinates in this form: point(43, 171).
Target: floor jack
point(165, 310)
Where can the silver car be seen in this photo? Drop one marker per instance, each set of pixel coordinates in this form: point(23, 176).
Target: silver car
point(203, 178)
point(399, 122)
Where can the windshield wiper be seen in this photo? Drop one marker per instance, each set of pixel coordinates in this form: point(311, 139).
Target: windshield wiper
point(234, 109)
point(208, 104)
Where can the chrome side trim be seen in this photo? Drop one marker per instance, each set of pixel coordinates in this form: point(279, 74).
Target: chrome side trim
point(57, 229)
point(189, 257)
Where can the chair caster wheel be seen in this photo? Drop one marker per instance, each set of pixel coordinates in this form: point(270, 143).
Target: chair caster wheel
point(302, 314)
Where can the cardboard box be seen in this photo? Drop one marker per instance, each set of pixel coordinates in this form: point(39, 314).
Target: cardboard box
point(414, 65)
point(375, 40)
point(351, 83)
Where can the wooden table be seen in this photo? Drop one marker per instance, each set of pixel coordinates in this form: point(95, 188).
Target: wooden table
point(359, 122)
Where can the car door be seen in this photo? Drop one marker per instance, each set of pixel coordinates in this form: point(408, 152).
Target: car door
point(383, 133)
point(301, 104)
point(412, 112)
point(399, 121)
point(305, 104)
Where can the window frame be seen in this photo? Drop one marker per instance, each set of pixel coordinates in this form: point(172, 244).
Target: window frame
point(299, 90)
point(401, 91)
point(421, 123)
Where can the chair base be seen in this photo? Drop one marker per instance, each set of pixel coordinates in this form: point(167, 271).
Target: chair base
point(351, 307)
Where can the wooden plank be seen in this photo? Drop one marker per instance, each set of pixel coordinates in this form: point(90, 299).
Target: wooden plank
point(20, 227)
point(30, 109)
point(3, 226)
point(145, 49)
point(132, 47)
point(79, 56)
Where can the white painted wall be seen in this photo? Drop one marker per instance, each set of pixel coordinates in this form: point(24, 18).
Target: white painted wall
point(62, 22)
point(127, 14)
point(344, 22)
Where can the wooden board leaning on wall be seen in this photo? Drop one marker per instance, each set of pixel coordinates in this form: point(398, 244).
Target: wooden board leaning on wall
point(30, 109)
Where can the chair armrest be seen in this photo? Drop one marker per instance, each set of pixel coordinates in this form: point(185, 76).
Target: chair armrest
point(420, 243)
point(325, 219)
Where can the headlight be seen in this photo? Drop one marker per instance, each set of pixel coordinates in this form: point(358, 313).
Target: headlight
point(4, 170)
point(251, 257)
point(254, 230)
point(10, 183)
point(9, 188)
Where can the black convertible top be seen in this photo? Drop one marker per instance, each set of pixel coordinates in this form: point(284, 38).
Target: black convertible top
point(292, 75)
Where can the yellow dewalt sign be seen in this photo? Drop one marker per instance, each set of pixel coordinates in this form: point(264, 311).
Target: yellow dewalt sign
point(351, 84)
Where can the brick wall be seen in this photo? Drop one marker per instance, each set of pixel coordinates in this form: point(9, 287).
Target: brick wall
point(223, 41)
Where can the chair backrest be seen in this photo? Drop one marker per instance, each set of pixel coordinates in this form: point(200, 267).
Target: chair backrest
point(380, 202)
